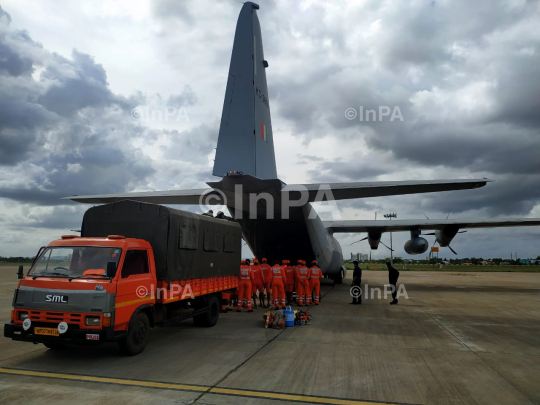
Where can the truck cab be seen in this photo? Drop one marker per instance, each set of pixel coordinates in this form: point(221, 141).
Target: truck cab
point(85, 290)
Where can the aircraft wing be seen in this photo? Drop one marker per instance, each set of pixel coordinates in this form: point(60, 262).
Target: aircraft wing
point(191, 197)
point(345, 191)
point(315, 192)
point(425, 224)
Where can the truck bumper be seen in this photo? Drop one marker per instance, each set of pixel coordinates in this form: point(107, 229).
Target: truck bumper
point(71, 337)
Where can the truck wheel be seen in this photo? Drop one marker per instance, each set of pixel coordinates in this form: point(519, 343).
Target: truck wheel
point(55, 346)
point(137, 335)
point(209, 318)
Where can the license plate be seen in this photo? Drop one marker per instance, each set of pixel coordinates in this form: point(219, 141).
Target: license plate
point(46, 331)
point(92, 336)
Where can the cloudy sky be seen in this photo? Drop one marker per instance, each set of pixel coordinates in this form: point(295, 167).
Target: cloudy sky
point(465, 76)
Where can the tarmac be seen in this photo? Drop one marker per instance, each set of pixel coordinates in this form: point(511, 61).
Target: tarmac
point(459, 338)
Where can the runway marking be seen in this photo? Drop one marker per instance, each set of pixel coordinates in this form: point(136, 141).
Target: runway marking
point(194, 388)
point(105, 380)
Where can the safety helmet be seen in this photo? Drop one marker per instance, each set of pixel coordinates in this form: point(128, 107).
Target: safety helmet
point(284, 261)
point(314, 262)
point(242, 262)
point(255, 261)
point(264, 259)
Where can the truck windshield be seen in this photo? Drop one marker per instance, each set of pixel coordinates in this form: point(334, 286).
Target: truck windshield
point(75, 261)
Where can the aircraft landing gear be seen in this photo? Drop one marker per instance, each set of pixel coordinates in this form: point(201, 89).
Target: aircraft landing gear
point(338, 277)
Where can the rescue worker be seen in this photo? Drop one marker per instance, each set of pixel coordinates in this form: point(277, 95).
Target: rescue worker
point(315, 275)
point(257, 284)
point(393, 276)
point(302, 273)
point(267, 273)
point(289, 281)
point(245, 279)
point(278, 285)
point(357, 280)
point(242, 262)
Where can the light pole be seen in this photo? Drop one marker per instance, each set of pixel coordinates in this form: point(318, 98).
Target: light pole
point(390, 216)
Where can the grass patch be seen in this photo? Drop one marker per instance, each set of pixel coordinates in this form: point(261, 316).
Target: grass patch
point(449, 267)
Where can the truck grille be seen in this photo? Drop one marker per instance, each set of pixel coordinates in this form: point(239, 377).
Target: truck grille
point(56, 317)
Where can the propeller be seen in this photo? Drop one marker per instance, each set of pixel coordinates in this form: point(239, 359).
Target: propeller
point(449, 247)
point(359, 241)
point(433, 234)
point(382, 243)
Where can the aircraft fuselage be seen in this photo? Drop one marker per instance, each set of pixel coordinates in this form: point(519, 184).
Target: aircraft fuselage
point(296, 238)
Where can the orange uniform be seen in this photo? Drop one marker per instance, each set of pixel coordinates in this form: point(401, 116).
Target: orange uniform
point(266, 270)
point(278, 285)
point(258, 278)
point(302, 283)
point(315, 275)
point(244, 287)
point(289, 279)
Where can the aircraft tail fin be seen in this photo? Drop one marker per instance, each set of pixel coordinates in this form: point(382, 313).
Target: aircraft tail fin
point(245, 140)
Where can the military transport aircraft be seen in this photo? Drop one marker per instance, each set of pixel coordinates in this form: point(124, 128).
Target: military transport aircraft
point(284, 224)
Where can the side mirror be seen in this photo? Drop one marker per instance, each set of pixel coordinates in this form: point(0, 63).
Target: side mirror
point(111, 269)
point(20, 273)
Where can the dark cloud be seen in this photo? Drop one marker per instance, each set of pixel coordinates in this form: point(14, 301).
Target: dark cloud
point(86, 86)
point(65, 218)
point(63, 133)
point(168, 9)
point(187, 97)
point(356, 169)
point(12, 63)
point(191, 145)
point(465, 78)
point(506, 196)
point(464, 75)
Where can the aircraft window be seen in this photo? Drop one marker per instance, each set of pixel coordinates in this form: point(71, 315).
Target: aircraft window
point(136, 262)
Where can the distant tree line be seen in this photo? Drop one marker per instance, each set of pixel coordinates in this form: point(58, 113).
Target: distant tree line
point(475, 261)
point(17, 259)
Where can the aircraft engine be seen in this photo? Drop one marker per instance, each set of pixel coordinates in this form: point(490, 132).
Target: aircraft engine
point(374, 238)
point(445, 236)
point(416, 246)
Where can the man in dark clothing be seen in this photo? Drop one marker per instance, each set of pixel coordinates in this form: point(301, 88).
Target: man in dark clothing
point(357, 280)
point(393, 276)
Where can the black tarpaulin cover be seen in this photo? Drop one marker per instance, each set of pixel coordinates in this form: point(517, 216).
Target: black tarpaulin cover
point(186, 245)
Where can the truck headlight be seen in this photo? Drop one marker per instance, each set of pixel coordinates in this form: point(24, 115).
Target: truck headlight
point(92, 321)
point(23, 316)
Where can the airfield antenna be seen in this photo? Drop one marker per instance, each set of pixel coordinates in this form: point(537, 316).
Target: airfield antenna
point(390, 216)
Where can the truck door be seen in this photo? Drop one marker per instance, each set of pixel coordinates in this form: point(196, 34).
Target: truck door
point(135, 286)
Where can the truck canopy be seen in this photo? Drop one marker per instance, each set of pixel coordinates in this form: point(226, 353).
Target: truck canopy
point(185, 245)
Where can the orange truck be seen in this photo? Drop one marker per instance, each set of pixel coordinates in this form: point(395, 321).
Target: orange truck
point(134, 267)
